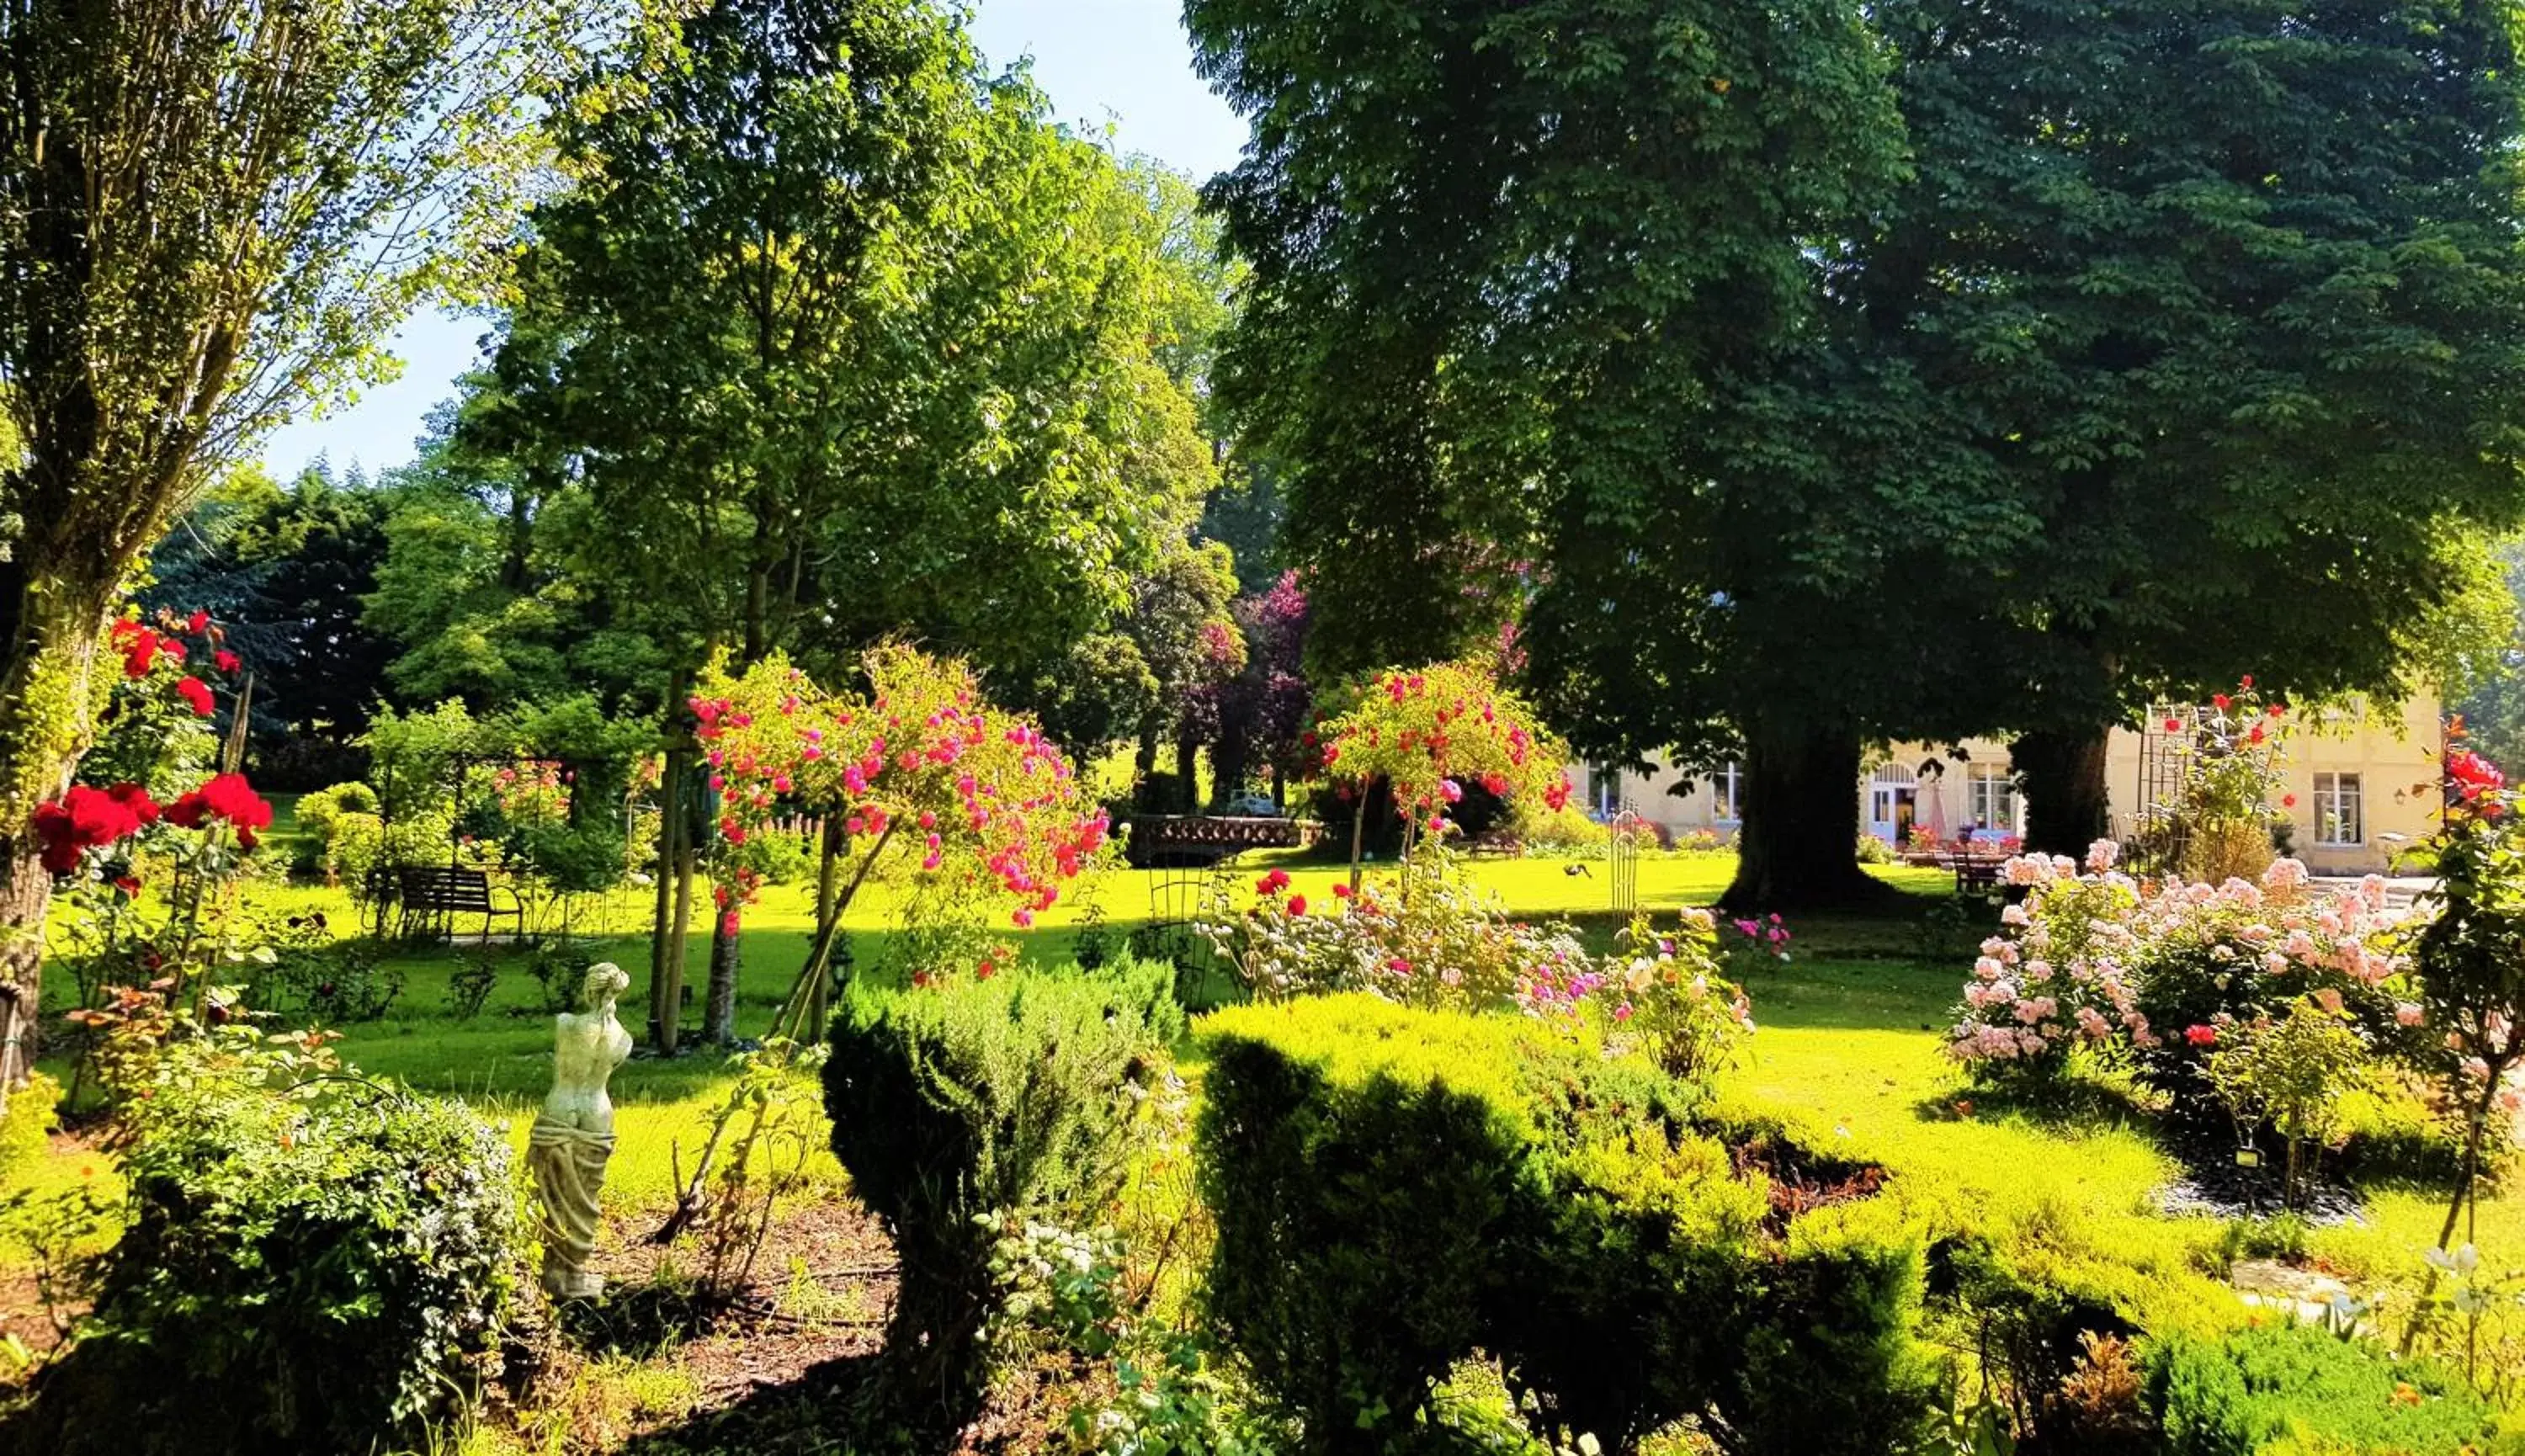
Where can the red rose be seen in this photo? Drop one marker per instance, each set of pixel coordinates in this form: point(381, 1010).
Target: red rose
point(227, 660)
point(226, 796)
point(1297, 905)
point(85, 818)
point(2473, 774)
point(138, 645)
point(198, 694)
point(198, 620)
point(2202, 1036)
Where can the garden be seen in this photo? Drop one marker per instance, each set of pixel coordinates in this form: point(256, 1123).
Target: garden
point(974, 792)
point(1428, 1150)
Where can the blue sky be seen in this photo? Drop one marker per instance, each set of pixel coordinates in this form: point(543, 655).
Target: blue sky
point(1119, 62)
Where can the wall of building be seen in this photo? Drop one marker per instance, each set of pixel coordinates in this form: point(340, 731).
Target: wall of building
point(2362, 787)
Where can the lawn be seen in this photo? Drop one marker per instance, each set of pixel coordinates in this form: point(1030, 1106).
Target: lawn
point(1848, 1044)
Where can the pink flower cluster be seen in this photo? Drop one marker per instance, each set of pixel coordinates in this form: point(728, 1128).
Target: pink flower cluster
point(921, 751)
point(2070, 961)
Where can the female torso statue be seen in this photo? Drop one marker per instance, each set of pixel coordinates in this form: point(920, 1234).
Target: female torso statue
point(574, 1136)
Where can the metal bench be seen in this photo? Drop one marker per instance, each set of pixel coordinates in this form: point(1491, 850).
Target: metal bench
point(430, 900)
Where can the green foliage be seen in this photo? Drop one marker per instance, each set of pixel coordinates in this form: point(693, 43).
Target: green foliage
point(964, 1109)
point(2292, 1071)
point(321, 811)
point(1396, 1188)
point(2260, 1388)
point(296, 1278)
point(821, 293)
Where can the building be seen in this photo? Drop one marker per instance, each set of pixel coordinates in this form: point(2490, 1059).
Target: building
point(2364, 787)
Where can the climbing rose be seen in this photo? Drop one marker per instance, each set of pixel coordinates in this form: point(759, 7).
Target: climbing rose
point(87, 818)
point(227, 660)
point(226, 796)
point(2473, 773)
point(196, 623)
point(138, 645)
point(198, 694)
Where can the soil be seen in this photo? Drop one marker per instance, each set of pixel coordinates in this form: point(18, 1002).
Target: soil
point(1802, 1180)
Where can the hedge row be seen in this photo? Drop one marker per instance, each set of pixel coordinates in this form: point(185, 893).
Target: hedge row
point(1397, 1190)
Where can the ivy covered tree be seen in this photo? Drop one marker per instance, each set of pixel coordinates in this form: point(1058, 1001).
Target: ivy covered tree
point(216, 211)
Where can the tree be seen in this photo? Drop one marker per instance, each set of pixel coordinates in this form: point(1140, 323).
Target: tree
point(839, 339)
point(2229, 295)
point(283, 573)
point(1260, 716)
point(214, 213)
point(1512, 361)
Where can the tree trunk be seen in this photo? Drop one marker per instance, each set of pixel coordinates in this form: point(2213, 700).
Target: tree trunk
point(47, 698)
point(1228, 765)
point(719, 1010)
point(1187, 776)
point(2063, 773)
point(1798, 848)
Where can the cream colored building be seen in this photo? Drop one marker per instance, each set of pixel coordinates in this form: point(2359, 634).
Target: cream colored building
point(2363, 786)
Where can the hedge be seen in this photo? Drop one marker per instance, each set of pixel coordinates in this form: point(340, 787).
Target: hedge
point(1395, 1189)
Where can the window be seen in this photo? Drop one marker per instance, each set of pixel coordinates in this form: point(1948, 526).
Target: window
point(1989, 796)
point(1726, 790)
point(2338, 817)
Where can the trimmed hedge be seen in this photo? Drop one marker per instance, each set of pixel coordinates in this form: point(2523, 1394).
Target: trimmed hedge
point(1395, 1189)
point(961, 1109)
point(2294, 1387)
point(295, 1279)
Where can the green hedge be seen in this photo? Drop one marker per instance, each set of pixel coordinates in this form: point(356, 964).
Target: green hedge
point(1395, 1189)
point(960, 1108)
point(2295, 1387)
point(294, 1278)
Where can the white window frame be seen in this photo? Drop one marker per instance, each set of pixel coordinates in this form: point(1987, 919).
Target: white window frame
point(2340, 799)
point(1726, 794)
point(1991, 799)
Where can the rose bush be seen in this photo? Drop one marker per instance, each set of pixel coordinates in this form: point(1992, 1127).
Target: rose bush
point(2157, 972)
point(1430, 939)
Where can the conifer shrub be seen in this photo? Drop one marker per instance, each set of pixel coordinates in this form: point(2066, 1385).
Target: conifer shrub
point(963, 1109)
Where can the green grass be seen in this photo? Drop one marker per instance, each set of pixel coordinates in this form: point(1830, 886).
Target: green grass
point(1849, 1045)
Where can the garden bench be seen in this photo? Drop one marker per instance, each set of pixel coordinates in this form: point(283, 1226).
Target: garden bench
point(433, 897)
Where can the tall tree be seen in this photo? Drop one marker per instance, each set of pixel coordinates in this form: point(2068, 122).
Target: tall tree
point(1514, 357)
point(214, 213)
point(2229, 293)
point(837, 339)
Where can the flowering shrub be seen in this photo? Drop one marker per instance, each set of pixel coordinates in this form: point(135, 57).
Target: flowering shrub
point(1431, 939)
point(922, 760)
point(155, 731)
point(2471, 955)
point(1430, 732)
point(2160, 971)
point(2231, 799)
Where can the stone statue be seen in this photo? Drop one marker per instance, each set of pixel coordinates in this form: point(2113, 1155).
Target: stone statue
point(574, 1136)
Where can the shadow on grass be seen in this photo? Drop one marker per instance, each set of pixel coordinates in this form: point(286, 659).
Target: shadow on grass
point(2089, 1104)
point(820, 1412)
point(639, 1321)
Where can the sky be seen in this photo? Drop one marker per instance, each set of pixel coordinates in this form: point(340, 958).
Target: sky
point(1121, 62)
